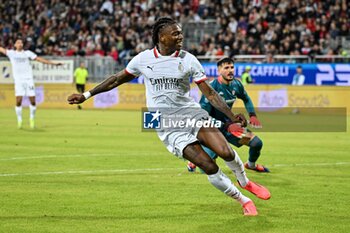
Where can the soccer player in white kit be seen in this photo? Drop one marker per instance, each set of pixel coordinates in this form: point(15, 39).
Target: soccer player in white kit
point(167, 70)
point(23, 78)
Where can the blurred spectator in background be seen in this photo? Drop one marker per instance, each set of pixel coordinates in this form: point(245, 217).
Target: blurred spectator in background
point(299, 77)
point(298, 80)
point(114, 53)
point(107, 7)
point(246, 27)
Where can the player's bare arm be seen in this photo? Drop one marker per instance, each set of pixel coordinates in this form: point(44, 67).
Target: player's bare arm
point(219, 103)
point(43, 60)
point(111, 82)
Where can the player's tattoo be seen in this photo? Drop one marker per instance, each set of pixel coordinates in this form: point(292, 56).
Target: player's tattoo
point(216, 100)
point(218, 103)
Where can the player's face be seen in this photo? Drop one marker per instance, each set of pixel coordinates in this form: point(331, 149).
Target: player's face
point(171, 36)
point(226, 71)
point(19, 45)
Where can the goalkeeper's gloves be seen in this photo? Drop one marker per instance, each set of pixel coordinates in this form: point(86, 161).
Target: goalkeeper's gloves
point(236, 130)
point(254, 122)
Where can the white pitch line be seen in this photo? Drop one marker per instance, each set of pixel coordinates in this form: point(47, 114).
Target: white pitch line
point(310, 164)
point(147, 170)
point(46, 157)
point(69, 156)
point(89, 172)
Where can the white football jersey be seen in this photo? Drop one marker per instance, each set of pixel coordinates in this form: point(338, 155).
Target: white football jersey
point(21, 67)
point(167, 78)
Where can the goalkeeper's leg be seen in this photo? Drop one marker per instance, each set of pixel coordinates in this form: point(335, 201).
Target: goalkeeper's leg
point(255, 145)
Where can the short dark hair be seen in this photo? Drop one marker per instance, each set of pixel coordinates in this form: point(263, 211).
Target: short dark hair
point(224, 60)
point(159, 25)
point(299, 67)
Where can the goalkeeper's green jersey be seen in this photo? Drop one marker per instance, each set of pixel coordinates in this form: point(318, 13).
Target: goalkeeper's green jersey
point(229, 93)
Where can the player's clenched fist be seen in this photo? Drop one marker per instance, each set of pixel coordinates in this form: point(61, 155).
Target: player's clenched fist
point(76, 98)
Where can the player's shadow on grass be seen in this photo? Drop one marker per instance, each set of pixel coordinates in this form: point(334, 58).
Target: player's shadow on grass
point(91, 217)
point(36, 130)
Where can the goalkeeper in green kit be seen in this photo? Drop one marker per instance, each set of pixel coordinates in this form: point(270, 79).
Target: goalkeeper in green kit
point(230, 89)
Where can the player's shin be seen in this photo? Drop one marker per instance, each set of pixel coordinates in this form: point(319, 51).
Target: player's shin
point(237, 168)
point(19, 113)
point(32, 109)
point(224, 184)
point(255, 146)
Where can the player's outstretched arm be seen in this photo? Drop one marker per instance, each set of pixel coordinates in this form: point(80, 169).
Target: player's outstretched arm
point(219, 103)
point(3, 50)
point(108, 84)
point(249, 106)
point(43, 60)
point(253, 119)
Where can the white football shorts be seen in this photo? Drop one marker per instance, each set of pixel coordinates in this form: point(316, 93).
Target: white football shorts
point(24, 89)
point(177, 138)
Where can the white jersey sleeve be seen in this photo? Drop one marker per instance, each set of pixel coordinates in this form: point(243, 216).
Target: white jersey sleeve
point(133, 66)
point(197, 71)
point(10, 53)
point(30, 54)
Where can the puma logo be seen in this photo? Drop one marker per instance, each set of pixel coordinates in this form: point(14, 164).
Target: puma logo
point(150, 67)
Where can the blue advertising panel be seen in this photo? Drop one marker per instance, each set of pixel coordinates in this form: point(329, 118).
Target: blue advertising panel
point(280, 73)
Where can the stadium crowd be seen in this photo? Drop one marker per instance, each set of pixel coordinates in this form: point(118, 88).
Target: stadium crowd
point(121, 28)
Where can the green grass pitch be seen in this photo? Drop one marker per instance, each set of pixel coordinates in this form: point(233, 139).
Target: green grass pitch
point(95, 171)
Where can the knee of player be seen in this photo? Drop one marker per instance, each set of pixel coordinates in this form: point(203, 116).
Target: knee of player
point(256, 142)
point(209, 166)
point(227, 153)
